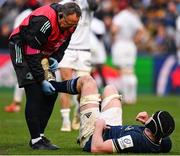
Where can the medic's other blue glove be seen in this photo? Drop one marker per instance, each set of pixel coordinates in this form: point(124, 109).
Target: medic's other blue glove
point(53, 64)
point(47, 87)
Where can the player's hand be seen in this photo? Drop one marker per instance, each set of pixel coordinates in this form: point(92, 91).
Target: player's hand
point(53, 64)
point(142, 117)
point(47, 88)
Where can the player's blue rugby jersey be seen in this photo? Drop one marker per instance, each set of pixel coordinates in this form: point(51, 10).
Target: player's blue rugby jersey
point(128, 139)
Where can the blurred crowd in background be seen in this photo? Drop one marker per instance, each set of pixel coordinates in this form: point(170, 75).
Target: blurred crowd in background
point(161, 20)
point(160, 17)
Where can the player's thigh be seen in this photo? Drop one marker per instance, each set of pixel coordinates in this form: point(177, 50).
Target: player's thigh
point(99, 54)
point(66, 73)
point(69, 60)
point(84, 61)
point(111, 107)
point(124, 54)
point(112, 116)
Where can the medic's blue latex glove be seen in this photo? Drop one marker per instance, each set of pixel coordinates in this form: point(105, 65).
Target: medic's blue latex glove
point(53, 64)
point(47, 88)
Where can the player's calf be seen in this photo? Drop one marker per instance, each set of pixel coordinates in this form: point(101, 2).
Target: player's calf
point(89, 108)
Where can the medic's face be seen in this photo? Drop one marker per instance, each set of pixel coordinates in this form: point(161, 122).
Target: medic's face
point(67, 22)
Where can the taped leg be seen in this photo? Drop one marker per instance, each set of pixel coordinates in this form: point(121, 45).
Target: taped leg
point(111, 106)
point(76, 115)
point(88, 115)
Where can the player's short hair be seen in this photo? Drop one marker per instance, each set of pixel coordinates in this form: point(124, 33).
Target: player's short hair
point(161, 124)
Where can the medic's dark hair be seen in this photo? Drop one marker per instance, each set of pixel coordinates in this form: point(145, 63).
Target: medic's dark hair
point(66, 9)
point(69, 8)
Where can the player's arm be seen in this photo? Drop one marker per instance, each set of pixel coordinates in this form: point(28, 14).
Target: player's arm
point(98, 145)
point(115, 28)
point(141, 36)
point(142, 117)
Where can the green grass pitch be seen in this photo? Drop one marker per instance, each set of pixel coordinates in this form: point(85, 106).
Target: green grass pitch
point(14, 136)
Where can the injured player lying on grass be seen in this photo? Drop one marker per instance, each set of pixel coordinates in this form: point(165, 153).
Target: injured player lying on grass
point(101, 129)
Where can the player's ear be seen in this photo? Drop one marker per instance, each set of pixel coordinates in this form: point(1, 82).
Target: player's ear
point(60, 14)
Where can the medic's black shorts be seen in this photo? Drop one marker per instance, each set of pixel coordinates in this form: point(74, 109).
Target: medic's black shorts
point(21, 68)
